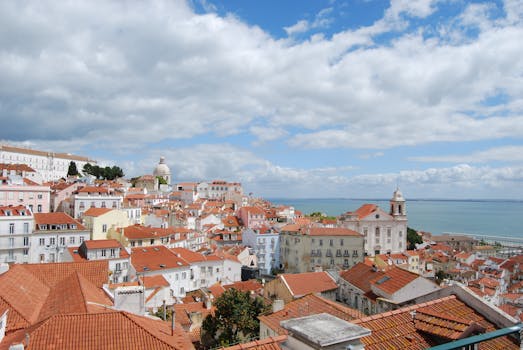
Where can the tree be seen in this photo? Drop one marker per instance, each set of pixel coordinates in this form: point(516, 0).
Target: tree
point(413, 238)
point(72, 170)
point(106, 173)
point(235, 319)
point(161, 180)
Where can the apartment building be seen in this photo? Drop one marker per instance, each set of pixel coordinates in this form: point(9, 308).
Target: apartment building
point(16, 227)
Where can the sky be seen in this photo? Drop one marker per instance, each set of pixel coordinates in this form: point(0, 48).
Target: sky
point(294, 99)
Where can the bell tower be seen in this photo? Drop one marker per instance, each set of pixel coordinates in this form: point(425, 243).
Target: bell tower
point(398, 208)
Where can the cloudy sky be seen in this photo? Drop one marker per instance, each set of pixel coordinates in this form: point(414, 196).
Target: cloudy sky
point(308, 98)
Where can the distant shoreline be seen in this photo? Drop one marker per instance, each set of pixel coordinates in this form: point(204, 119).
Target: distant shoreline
point(279, 199)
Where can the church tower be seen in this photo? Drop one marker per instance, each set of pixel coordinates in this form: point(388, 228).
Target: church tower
point(398, 208)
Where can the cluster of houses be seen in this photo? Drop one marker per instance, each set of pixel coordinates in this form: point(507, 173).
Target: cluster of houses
point(77, 253)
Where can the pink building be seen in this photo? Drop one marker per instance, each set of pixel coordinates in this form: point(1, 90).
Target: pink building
point(253, 217)
point(61, 191)
point(24, 192)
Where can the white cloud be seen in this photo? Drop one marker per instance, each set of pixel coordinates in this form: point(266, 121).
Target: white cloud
point(498, 154)
point(322, 19)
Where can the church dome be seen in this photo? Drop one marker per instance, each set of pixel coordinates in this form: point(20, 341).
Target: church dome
point(162, 169)
point(397, 196)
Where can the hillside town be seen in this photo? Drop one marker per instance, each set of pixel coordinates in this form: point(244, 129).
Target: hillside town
point(93, 262)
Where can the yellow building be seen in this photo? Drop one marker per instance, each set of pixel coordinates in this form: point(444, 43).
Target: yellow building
point(100, 220)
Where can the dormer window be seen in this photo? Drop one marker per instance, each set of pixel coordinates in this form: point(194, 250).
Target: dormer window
point(72, 226)
point(42, 227)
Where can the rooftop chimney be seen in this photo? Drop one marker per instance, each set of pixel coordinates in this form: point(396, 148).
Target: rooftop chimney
point(277, 305)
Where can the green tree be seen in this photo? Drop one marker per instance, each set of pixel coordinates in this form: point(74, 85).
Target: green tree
point(235, 319)
point(106, 173)
point(161, 180)
point(413, 238)
point(72, 170)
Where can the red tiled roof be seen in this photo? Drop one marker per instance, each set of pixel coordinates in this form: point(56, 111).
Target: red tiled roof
point(308, 282)
point(52, 273)
point(393, 280)
point(106, 330)
point(308, 305)
point(102, 243)
point(245, 286)
point(188, 255)
point(141, 232)
point(154, 281)
point(360, 276)
point(400, 329)
point(19, 210)
point(365, 210)
point(155, 258)
point(95, 212)
point(56, 219)
point(16, 167)
point(270, 343)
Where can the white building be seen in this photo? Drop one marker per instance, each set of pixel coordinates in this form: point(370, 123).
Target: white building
point(266, 244)
point(53, 234)
point(383, 232)
point(50, 165)
point(16, 226)
point(118, 258)
point(94, 197)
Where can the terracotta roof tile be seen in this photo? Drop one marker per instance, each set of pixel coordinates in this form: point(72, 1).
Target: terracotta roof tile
point(155, 258)
point(108, 330)
point(58, 218)
point(95, 212)
point(309, 282)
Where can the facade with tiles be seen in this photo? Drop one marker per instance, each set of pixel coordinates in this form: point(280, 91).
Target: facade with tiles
point(383, 232)
point(319, 248)
point(16, 227)
point(266, 245)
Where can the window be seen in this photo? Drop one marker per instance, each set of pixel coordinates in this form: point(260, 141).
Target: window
point(184, 275)
point(62, 241)
point(389, 232)
point(11, 228)
point(81, 239)
point(26, 252)
point(26, 241)
point(331, 242)
point(133, 243)
point(93, 205)
point(26, 227)
point(103, 204)
point(332, 261)
point(321, 241)
point(104, 252)
point(113, 253)
point(152, 241)
point(341, 242)
point(71, 240)
point(104, 228)
point(401, 233)
point(41, 241)
point(52, 241)
point(39, 208)
point(377, 231)
point(118, 267)
point(182, 290)
point(365, 231)
point(11, 242)
point(40, 196)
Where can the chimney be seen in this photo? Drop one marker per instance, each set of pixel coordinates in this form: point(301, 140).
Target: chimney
point(277, 305)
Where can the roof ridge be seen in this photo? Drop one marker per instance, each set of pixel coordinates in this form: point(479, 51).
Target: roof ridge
point(404, 309)
point(128, 314)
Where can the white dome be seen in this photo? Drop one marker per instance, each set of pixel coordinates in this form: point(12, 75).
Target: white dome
point(398, 196)
point(162, 169)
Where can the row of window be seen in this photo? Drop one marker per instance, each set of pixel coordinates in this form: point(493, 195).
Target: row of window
point(12, 226)
point(11, 195)
point(103, 205)
point(62, 240)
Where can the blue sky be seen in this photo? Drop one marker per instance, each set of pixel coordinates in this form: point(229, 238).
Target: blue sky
point(292, 98)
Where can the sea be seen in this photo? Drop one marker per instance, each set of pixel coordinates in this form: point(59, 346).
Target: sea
point(503, 218)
